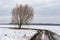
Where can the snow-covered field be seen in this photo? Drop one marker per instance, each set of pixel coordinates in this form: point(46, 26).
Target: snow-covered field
point(13, 34)
point(20, 34)
point(55, 29)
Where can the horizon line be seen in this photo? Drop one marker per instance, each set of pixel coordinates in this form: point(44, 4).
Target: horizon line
point(51, 24)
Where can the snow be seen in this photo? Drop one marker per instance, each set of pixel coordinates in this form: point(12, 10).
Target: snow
point(55, 29)
point(13, 34)
point(20, 34)
point(9, 26)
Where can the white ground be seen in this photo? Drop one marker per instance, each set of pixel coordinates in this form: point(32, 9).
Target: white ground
point(12, 34)
point(55, 29)
point(15, 34)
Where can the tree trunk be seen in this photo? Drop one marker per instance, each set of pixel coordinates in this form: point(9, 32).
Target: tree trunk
point(20, 24)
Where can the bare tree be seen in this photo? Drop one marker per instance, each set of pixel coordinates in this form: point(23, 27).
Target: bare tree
point(22, 14)
point(15, 14)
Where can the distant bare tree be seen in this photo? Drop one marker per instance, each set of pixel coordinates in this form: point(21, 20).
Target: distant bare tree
point(22, 14)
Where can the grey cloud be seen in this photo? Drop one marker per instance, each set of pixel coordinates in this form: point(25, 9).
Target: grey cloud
point(55, 19)
point(5, 10)
point(5, 19)
point(42, 9)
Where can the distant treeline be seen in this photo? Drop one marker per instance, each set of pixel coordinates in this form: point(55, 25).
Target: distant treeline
point(48, 24)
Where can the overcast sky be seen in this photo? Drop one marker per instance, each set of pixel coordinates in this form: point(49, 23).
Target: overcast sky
point(45, 11)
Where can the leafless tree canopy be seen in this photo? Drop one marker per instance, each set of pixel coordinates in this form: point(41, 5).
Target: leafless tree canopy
point(22, 14)
point(15, 15)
